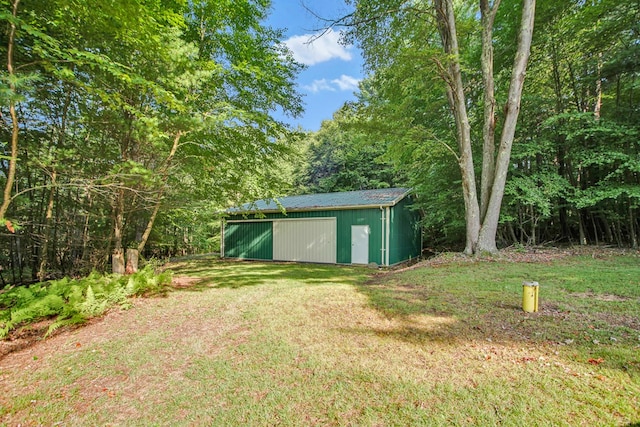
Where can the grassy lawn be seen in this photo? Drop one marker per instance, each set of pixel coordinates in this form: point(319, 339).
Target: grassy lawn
point(283, 344)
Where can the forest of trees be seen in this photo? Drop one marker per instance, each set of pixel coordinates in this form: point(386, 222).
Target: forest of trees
point(574, 172)
point(130, 124)
point(126, 124)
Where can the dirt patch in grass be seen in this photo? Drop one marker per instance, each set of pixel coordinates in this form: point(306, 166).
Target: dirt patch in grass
point(599, 297)
point(33, 336)
point(23, 337)
point(30, 335)
point(522, 255)
point(185, 282)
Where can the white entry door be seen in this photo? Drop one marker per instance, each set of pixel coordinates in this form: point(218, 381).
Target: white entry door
point(360, 244)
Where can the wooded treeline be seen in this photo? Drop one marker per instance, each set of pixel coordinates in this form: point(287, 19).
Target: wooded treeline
point(574, 174)
point(126, 124)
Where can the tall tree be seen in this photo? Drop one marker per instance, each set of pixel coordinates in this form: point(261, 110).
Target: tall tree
point(384, 28)
point(129, 109)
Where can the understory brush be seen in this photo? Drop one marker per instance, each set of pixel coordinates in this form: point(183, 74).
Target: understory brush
point(71, 302)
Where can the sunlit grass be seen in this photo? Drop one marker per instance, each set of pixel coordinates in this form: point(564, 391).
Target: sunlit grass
point(283, 344)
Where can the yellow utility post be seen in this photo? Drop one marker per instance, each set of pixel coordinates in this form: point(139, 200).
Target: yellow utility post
point(530, 296)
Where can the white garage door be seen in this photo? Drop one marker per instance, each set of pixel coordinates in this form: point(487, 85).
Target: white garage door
point(310, 240)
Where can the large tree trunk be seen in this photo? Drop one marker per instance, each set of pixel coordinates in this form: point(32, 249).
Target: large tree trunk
point(457, 101)
point(488, 14)
point(487, 239)
point(482, 218)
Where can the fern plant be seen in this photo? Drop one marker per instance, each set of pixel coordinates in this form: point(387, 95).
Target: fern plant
point(92, 306)
point(76, 319)
point(71, 302)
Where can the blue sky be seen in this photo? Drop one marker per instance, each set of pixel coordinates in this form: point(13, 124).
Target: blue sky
point(333, 70)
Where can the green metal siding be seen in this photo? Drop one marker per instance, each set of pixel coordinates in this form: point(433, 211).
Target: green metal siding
point(253, 239)
point(344, 220)
point(370, 217)
point(405, 240)
point(249, 240)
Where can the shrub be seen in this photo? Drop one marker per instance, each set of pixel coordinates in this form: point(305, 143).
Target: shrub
point(75, 301)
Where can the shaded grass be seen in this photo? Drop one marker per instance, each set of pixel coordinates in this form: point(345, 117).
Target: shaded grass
point(215, 273)
point(282, 344)
point(588, 306)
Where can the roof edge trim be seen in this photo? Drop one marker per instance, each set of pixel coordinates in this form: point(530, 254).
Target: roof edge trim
point(325, 208)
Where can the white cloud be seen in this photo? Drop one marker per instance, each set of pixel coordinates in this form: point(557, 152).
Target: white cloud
point(323, 48)
point(319, 85)
point(346, 82)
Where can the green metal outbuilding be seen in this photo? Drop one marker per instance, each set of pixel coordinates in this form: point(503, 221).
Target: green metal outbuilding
point(354, 227)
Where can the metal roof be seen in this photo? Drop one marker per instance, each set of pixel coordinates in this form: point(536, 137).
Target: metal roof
point(384, 197)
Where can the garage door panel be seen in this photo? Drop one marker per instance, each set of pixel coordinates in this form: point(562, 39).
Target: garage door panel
point(310, 240)
point(248, 240)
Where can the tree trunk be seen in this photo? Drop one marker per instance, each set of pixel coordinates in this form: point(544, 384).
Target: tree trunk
point(47, 235)
point(583, 236)
point(457, 102)
point(117, 262)
point(512, 233)
point(596, 235)
point(487, 238)
point(482, 224)
point(560, 142)
point(488, 15)
point(47, 226)
point(534, 225)
point(147, 231)
point(85, 231)
point(118, 225)
point(156, 208)
point(132, 261)
point(598, 105)
point(632, 228)
point(608, 234)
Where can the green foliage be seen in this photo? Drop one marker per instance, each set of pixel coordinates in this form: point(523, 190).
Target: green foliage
point(75, 301)
point(341, 157)
point(579, 125)
point(144, 105)
point(538, 192)
point(575, 154)
point(91, 306)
